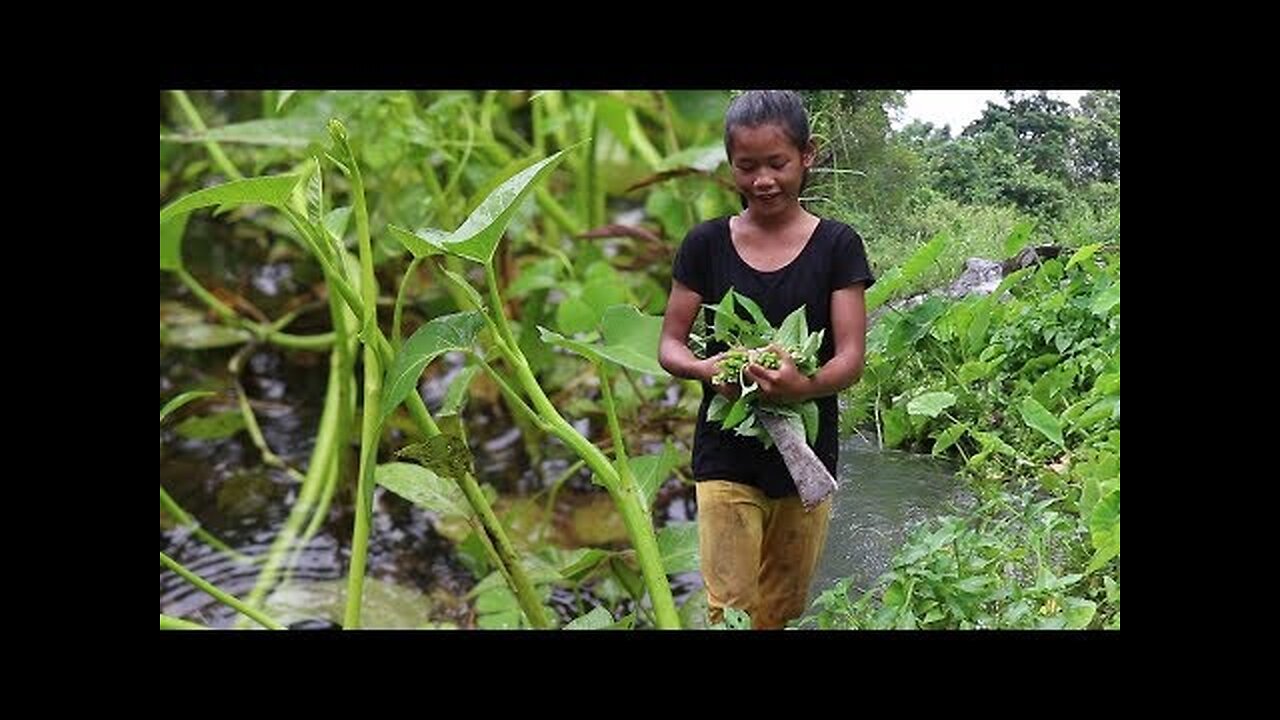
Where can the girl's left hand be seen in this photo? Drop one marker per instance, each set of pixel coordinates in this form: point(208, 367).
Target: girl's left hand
point(784, 385)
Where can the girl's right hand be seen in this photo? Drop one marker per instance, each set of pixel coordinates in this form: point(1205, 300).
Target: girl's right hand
point(731, 390)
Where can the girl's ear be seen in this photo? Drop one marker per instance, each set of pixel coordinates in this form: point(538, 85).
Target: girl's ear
point(810, 152)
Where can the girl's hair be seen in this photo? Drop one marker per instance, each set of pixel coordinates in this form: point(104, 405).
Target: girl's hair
point(759, 107)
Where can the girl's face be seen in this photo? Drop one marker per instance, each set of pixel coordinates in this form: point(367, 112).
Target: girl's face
point(768, 168)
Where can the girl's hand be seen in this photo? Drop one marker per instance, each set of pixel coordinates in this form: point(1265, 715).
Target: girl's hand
point(784, 385)
point(731, 390)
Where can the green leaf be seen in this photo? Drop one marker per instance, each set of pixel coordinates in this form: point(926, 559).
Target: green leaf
point(1104, 409)
point(678, 545)
point(211, 427)
point(1083, 254)
point(758, 315)
point(794, 330)
point(726, 319)
point(540, 275)
point(1018, 238)
point(896, 425)
point(718, 409)
point(700, 106)
point(1104, 530)
point(597, 619)
point(1107, 299)
point(336, 222)
point(948, 437)
point(297, 132)
point(651, 471)
point(1107, 384)
point(497, 599)
point(630, 340)
point(915, 325)
point(181, 400)
point(582, 562)
point(1035, 415)
point(898, 278)
point(283, 98)
point(973, 370)
point(315, 195)
point(704, 158)
point(423, 488)
point(456, 395)
point(273, 190)
point(504, 620)
point(477, 238)
point(575, 316)
point(976, 334)
point(445, 455)
point(737, 413)
point(992, 442)
point(809, 414)
point(1078, 612)
point(450, 332)
point(931, 403)
point(171, 242)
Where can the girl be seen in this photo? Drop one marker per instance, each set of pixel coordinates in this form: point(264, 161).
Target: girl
point(759, 547)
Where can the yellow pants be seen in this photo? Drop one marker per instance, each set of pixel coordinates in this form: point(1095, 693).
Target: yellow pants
point(758, 554)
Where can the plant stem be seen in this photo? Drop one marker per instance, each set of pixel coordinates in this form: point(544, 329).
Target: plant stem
point(221, 596)
point(215, 151)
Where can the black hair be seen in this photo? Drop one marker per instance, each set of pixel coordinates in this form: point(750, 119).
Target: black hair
point(759, 107)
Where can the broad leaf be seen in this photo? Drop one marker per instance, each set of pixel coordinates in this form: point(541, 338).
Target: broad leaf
point(678, 545)
point(597, 619)
point(423, 488)
point(272, 190)
point(931, 403)
point(630, 340)
point(449, 332)
point(1035, 415)
point(478, 236)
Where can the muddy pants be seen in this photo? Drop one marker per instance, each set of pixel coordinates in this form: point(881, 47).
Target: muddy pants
point(758, 554)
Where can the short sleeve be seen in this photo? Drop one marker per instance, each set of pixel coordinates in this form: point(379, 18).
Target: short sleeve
point(691, 266)
point(849, 265)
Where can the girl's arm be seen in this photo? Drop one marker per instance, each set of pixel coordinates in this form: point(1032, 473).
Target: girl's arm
point(673, 351)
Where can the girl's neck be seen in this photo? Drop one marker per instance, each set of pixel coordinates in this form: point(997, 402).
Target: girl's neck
point(776, 221)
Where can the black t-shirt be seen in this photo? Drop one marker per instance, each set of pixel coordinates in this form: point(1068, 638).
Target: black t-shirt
point(708, 264)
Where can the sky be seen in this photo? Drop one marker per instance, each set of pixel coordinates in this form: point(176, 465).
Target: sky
point(958, 108)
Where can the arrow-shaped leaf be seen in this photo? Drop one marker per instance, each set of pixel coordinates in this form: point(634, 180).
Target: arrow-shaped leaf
point(478, 236)
point(449, 332)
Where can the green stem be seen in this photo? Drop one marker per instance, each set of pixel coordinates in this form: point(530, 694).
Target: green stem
point(221, 596)
point(321, 341)
point(513, 399)
point(515, 574)
point(207, 297)
point(215, 150)
point(615, 429)
point(251, 422)
point(172, 623)
point(268, 332)
point(185, 519)
point(397, 314)
point(364, 492)
point(634, 516)
point(369, 425)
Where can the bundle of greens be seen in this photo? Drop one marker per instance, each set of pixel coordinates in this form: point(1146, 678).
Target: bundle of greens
point(748, 341)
